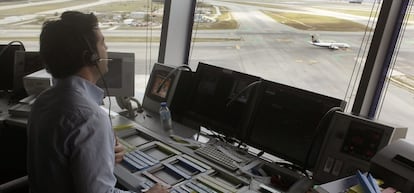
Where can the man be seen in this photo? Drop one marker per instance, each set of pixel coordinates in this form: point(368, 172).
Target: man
point(71, 145)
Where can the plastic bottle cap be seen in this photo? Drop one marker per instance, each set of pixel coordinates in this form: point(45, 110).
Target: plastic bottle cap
point(163, 104)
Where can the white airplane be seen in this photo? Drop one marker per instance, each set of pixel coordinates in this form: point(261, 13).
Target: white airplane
point(330, 45)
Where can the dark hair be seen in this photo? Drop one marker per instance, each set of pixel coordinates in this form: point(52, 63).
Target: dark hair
point(63, 43)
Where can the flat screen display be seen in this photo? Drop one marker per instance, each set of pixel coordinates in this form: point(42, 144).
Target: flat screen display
point(26, 62)
point(285, 122)
point(120, 78)
point(222, 99)
point(7, 65)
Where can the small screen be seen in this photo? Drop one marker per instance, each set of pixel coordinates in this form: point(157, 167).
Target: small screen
point(163, 90)
point(161, 87)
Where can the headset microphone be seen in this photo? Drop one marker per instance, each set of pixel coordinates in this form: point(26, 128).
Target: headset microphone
point(104, 59)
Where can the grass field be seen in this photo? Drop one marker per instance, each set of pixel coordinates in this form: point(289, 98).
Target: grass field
point(315, 22)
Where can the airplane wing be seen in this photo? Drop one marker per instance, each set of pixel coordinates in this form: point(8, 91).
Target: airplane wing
point(332, 46)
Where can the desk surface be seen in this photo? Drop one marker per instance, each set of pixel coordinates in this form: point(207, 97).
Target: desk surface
point(214, 176)
point(147, 125)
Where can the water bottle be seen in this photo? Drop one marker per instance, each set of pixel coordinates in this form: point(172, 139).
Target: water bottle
point(165, 117)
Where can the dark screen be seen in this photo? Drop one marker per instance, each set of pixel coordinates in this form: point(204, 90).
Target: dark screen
point(218, 102)
point(113, 78)
point(285, 122)
point(7, 66)
point(25, 64)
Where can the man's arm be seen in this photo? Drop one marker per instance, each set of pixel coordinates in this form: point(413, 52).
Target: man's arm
point(93, 156)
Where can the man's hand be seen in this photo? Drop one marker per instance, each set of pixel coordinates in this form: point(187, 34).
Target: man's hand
point(158, 188)
point(119, 151)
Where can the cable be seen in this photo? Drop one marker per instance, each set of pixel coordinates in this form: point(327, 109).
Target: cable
point(171, 73)
point(9, 44)
point(216, 135)
point(293, 167)
point(148, 40)
point(317, 132)
point(242, 91)
point(107, 93)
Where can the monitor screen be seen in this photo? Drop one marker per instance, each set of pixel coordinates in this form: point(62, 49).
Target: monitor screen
point(169, 84)
point(26, 62)
point(7, 65)
point(159, 85)
point(222, 99)
point(120, 78)
point(285, 123)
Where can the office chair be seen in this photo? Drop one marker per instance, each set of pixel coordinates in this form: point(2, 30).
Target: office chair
point(18, 185)
point(13, 173)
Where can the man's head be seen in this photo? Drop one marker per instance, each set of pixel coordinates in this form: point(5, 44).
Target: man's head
point(71, 43)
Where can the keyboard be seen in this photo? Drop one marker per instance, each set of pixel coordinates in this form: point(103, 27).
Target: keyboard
point(213, 154)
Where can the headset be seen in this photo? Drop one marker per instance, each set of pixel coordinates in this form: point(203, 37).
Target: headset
point(92, 57)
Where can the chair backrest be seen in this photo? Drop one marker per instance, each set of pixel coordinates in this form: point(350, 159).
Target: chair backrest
point(17, 185)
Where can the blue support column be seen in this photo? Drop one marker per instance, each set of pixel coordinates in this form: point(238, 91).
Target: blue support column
point(379, 57)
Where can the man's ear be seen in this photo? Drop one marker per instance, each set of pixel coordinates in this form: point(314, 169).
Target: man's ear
point(90, 58)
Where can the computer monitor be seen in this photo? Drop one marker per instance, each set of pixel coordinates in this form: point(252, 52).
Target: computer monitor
point(169, 84)
point(222, 99)
point(26, 62)
point(287, 123)
point(120, 78)
point(7, 65)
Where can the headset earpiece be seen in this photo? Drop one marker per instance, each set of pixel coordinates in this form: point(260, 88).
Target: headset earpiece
point(92, 57)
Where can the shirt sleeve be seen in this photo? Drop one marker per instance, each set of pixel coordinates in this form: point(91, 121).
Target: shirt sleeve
point(93, 157)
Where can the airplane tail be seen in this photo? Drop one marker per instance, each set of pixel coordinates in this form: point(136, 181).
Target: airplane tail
point(314, 39)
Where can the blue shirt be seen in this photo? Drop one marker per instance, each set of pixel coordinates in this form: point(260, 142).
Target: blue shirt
point(70, 140)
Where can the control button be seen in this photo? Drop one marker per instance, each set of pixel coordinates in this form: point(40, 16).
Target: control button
point(337, 167)
point(328, 164)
